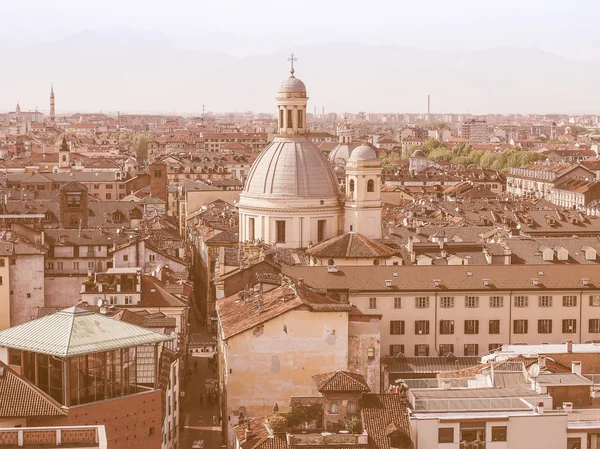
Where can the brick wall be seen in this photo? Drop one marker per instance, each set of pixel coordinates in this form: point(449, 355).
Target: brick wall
point(128, 420)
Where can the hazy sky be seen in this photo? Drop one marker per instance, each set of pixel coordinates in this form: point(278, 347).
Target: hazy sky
point(569, 28)
point(247, 28)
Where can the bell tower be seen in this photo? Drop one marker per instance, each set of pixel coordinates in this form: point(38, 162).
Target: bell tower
point(291, 105)
point(52, 111)
point(64, 156)
point(363, 193)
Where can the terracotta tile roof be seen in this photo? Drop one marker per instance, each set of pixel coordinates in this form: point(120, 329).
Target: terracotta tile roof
point(237, 315)
point(340, 381)
point(260, 437)
point(19, 398)
point(351, 244)
point(385, 415)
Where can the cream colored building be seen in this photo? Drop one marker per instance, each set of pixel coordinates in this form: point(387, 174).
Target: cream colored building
point(291, 334)
point(468, 310)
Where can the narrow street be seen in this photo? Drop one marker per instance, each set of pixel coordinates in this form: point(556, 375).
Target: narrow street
point(197, 412)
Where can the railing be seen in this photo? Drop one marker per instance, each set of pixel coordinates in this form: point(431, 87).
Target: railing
point(487, 404)
point(82, 437)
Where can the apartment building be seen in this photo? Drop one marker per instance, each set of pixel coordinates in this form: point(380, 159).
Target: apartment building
point(475, 130)
point(214, 142)
point(539, 179)
point(467, 310)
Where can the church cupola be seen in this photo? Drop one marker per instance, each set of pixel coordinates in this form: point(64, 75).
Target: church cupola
point(363, 192)
point(291, 105)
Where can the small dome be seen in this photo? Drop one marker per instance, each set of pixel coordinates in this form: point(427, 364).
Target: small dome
point(363, 153)
point(292, 84)
point(418, 153)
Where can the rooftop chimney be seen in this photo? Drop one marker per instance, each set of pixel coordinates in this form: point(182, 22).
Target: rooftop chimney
point(540, 408)
point(576, 368)
point(569, 346)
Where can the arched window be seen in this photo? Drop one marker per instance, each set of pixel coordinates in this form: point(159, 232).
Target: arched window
point(330, 262)
point(370, 185)
point(352, 185)
point(64, 158)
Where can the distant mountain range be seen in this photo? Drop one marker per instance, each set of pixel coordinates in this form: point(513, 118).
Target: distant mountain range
point(135, 71)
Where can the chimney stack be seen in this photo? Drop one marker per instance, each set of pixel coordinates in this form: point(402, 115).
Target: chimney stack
point(540, 408)
point(576, 368)
point(569, 346)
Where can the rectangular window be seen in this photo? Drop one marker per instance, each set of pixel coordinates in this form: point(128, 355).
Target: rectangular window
point(471, 301)
point(446, 327)
point(2, 262)
point(108, 186)
point(251, 228)
point(321, 230)
point(544, 326)
point(569, 326)
point(521, 301)
point(396, 349)
point(446, 435)
point(372, 303)
point(471, 349)
point(569, 301)
point(494, 346)
point(108, 196)
point(91, 265)
point(494, 327)
point(280, 227)
point(421, 327)
point(446, 349)
point(300, 121)
point(51, 265)
point(151, 257)
point(447, 302)
point(96, 186)
point(125, 257)
point(520, 326)
point(59, 265)
point(290, 123)
point(112, 300)
point(75, 266)
point(544, 301)
point(397, 327)
point(594, 300)
point(498, 433)
point(594, 325)
point(397, 303)
point(128, 300)
point(0, 280)
point(28, 294)
point(471, 327)
point(422, 302)
point(496, 301)
point(422, 350)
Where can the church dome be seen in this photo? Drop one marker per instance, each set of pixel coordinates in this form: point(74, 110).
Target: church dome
point(363, 153)
point(291, 168)
point(292, 85)
point(418, 153)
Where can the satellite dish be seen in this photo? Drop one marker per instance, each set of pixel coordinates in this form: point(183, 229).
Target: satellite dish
point(99, 303)
point(534, 370)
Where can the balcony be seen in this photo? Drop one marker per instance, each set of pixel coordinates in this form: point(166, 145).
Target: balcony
point(79, 437)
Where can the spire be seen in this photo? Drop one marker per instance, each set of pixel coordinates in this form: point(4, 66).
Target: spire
point(52, 108)
point(292, 58)
point(51, 90)
point(64, 146)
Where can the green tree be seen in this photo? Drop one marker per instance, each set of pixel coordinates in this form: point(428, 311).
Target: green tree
point(141, 148)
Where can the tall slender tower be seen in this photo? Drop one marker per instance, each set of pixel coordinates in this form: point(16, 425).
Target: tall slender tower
point(52, 112)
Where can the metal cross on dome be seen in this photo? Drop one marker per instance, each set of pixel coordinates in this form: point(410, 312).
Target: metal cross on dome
point(292, 58)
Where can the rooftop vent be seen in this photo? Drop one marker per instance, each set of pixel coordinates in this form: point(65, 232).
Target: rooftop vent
point(437, 283)
point(585, 281)
point(535, 281)
point(388, 283)
point(332, 269)
point(486, 282)
point(395, 274)
point(469, 273)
